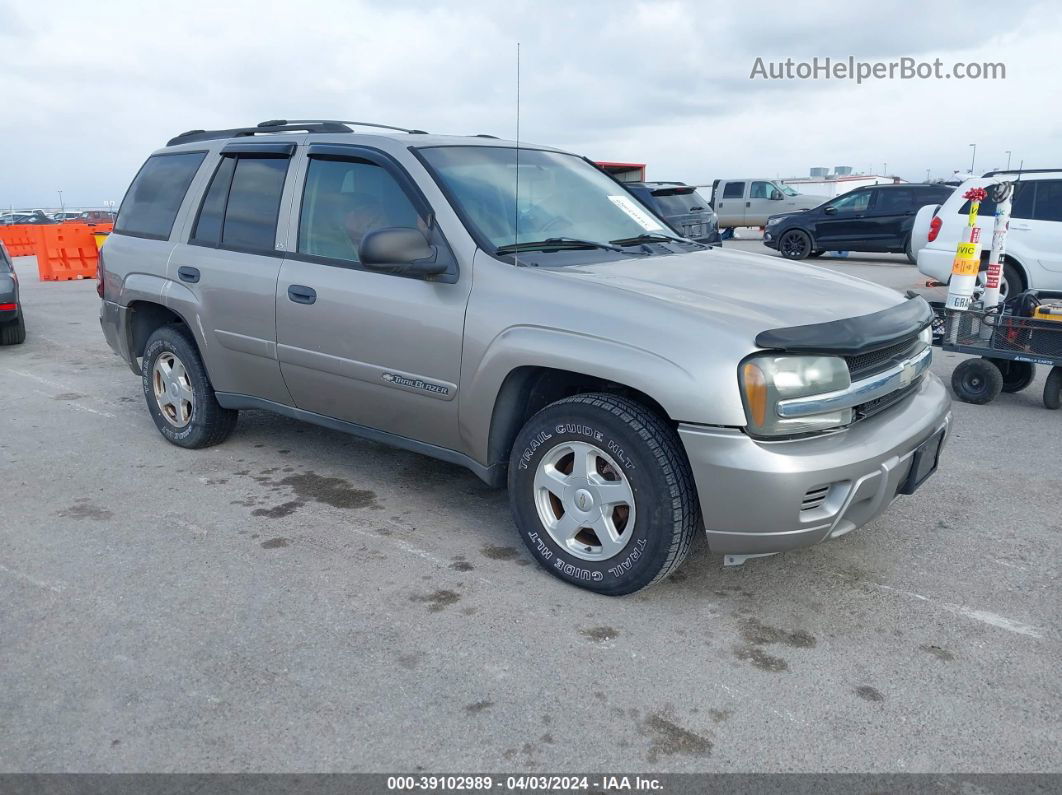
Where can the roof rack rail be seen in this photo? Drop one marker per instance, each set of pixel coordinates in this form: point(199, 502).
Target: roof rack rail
point(1021, 171)
point(281, 125)
point(353, 123)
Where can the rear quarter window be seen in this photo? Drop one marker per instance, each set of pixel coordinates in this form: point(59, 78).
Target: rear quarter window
point(153, 200)
point(734, 190)
point(1021, 203)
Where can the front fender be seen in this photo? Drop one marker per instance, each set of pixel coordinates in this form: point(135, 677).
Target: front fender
point(668, 383)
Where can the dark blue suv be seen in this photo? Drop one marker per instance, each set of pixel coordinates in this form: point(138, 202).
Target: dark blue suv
point(874, 218)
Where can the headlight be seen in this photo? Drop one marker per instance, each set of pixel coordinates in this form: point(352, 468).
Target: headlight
point(926, 334)
point(773, 221)
point(768, 378)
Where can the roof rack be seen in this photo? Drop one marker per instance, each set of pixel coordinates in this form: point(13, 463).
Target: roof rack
point(1021, 171)
point(281, 125)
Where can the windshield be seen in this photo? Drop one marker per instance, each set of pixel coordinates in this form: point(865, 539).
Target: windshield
point(788, 191)
point(559, 196)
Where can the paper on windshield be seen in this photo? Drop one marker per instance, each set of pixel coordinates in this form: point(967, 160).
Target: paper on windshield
point(637, 214)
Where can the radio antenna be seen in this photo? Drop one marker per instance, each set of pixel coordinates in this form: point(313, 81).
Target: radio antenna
point(516, 202)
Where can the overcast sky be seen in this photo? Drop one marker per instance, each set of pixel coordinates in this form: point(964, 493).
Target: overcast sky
point(91, 88)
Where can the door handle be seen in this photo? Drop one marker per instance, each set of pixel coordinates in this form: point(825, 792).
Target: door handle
point(188, 274)
point(302, 295)
point(748, 204)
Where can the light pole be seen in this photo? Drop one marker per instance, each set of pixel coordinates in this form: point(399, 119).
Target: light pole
point(973, 157)
point(1008, 160)
point(61, 208)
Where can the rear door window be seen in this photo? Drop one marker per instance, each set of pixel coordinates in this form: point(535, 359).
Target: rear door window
point(153, 200)
point(734, 190)
point(242, 204)
point(1048, 200)
point(895, 200)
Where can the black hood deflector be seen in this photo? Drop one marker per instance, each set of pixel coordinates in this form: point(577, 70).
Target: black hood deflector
point(852, 335)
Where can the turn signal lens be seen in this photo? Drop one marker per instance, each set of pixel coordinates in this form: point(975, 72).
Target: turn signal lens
point(755, 393)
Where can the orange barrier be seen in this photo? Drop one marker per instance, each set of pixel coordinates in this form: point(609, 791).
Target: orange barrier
point(21, 239)
point(66, 251)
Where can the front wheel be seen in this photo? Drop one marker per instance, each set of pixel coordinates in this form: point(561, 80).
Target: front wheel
point(977, 381)
point(179, 394)
point(601, 493)
point(794, 244)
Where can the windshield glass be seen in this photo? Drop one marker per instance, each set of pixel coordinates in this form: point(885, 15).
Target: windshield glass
point(560, 196)
point(786, 189)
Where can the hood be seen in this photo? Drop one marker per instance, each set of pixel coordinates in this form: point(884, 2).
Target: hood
point(782, 216)
point(742, 292)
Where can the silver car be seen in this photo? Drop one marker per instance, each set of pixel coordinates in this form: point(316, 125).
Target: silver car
point(515, 311)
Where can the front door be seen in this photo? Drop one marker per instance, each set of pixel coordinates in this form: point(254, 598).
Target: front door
point(843, 221)
point(760, 204)
point(368, 347)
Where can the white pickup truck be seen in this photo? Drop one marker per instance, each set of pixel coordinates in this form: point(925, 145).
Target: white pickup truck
point(749, 201)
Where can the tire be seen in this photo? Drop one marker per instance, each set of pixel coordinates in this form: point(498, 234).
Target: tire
point(794, 244)
point(818, 253)
point(1016, 375)
point(14, 331)
point(1053, 389)
point(627, 445)
point(1011, 281)
point(977, 381)
point(908, 252)
point(193, 423)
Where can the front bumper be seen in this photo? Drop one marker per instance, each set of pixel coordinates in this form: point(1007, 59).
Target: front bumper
point(753, 493)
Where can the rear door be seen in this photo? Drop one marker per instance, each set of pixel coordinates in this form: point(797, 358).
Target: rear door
point(889, 217)
point(373, 348)
point(1042, 233)
point(229, 264)
point(730, 203)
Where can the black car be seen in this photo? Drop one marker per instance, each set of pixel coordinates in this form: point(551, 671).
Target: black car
point(875, 218)
point(12, 325)
point(685, 210)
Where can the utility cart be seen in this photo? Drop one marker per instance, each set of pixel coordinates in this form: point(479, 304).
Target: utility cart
point(1010, 339)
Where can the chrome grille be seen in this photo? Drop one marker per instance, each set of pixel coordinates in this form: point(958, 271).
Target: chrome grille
point(866, 364)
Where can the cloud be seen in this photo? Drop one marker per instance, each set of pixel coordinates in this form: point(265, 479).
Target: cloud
point(666, 83)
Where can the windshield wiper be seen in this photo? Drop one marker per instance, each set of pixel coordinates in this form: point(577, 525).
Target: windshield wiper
point(557, 243)
point(651, 238)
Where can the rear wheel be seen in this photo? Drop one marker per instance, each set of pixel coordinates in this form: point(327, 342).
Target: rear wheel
point(1053, 389)
point(909, 252)
point(977, 381)
point(1010, 281)
point(13, 332)
point(1016, 375)
point(602, 494)
point(794, 244)
point(179, 395)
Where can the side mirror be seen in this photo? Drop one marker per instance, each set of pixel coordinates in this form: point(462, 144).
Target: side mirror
point(776, 195)
point(831, 210)
point(400, 250)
